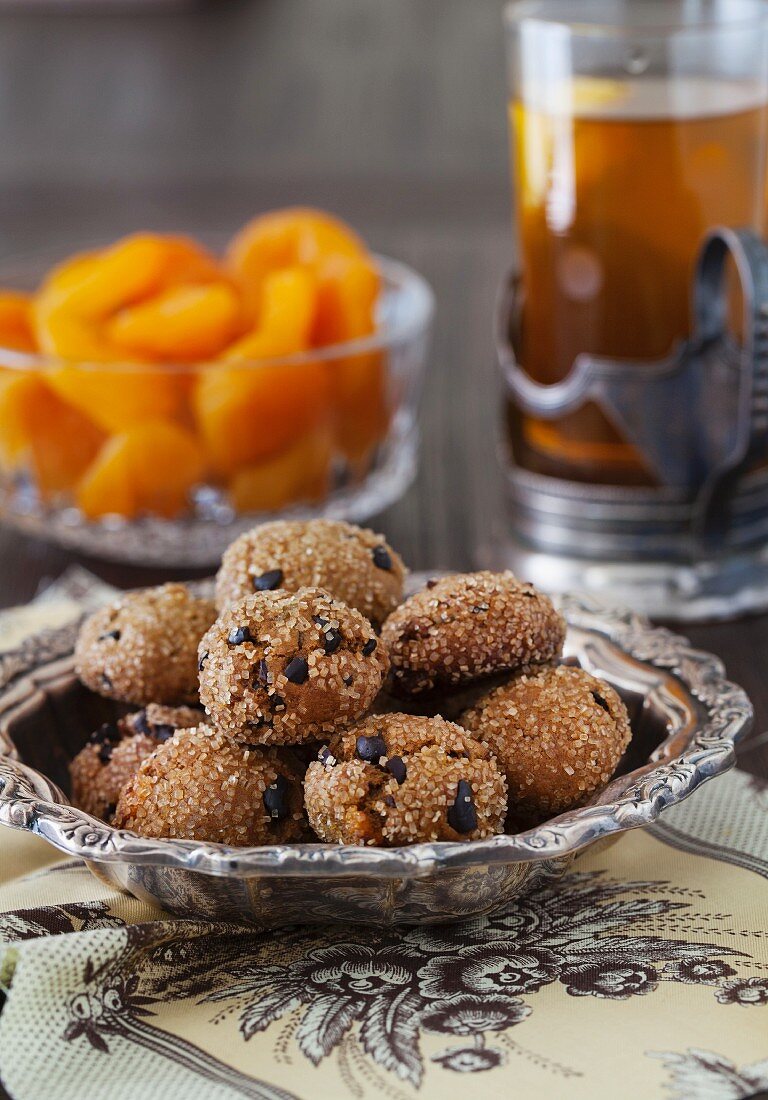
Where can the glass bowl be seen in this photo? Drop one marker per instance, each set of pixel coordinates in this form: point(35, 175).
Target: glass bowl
point(216, 447)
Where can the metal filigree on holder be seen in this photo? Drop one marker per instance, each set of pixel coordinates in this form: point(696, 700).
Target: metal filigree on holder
point(694, 546)
point(686, 717)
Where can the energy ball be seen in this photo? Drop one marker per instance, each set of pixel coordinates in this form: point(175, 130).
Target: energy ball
point(448, 704)
point(558, 734)
point(115, 751)
point(352, 563)
point(202, 785)
point(143, 647)
point(160, 722)
point(288, 667)
point(402, 779)
point(467, 626)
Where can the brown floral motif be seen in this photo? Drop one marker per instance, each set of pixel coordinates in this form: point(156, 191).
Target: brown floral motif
point(358, 972)
point(336, 986)
point(97, 1013)
point(523, 921)
point(340, 985)
point(53, 920)
point(469, 1059)
point(494, 967)
point(113, 1004)
point(609, 981)
point(699, 971)
point(471, 1015)
point(469, 980)
point(750, 991)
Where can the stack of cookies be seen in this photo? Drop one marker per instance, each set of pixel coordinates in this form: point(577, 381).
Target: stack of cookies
point(307, 701)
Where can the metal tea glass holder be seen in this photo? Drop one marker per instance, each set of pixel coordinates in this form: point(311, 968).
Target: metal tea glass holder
point(695, 546)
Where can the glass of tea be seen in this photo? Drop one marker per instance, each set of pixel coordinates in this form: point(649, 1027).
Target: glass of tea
point(636, 127)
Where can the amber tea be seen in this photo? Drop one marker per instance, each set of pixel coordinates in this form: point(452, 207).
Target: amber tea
point(616, 184)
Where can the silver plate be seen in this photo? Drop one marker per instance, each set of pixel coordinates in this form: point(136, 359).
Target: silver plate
point(686, 719)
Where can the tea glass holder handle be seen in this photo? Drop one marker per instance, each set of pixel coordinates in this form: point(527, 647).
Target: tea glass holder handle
point(749, 437)
point(698, 416)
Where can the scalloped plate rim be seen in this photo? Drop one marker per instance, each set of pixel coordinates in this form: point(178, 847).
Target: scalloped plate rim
point(711, 753)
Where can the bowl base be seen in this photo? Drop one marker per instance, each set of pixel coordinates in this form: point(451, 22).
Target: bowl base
point(199, 541)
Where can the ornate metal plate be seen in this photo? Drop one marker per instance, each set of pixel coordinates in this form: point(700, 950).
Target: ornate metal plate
point(686, 719)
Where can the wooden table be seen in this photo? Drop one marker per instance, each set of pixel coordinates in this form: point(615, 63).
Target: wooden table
point(390, 113)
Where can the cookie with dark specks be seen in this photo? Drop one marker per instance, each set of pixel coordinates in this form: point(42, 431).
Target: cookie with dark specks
point(401, 779)
point(115, 751)
point(143, 647)
point(468, 626)
point(288, 667)
point(202, 785)
point(558, 735)
point(354, 564)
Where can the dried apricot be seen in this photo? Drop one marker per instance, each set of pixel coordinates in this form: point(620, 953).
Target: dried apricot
point(65, 335)
point(119, 397)
point(299, 474)
point(73, 302)
point(246, 414)
point(16, 324)
point(17, 400)
point(347, 291)
point(96, 284)
point(283, 238)
point(292, 280)
point(182, 324)
point(359, 384)
point(79, 297)
point(286, 320)
point(187, 262)
point(149, 468)
point(40, 431)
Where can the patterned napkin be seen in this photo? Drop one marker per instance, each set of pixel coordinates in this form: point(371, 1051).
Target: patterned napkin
point(642, 973)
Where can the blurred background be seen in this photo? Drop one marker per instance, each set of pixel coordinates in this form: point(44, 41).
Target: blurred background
point(391, 113)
